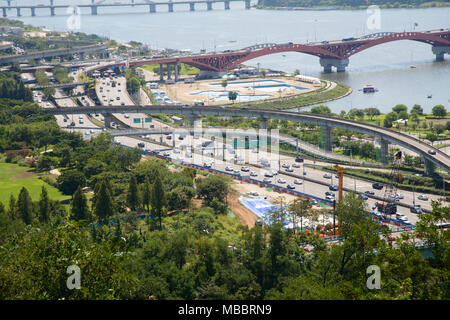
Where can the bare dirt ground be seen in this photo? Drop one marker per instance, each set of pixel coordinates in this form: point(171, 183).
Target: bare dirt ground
point(245, 216)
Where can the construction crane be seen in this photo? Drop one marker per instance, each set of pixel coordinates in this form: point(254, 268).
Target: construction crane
point(389, 205)
point(340, 172)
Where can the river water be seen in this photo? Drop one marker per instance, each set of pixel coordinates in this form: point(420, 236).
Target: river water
point(386, 66)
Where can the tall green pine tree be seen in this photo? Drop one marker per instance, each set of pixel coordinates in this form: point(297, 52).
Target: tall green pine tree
point(104, 204)
point(133, 194)
point(79, 206)
point(25, 206)
point(44, 206)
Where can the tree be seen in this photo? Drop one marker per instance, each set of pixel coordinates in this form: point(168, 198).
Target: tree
point(389, 119)
point(431, 137)
point(439, 111)
point(70, 180)
point(158, 200)
point(224, 84)
point(146, 194)
point(299, 208)
point(213, 187)
point(417, 108)
point(44, 206)
point(25, 206)
point(104, 204)
point(321, 110)
point(133, 194)
point(372, 112)
point(79, 206)
point(403, 115)
point(232, 95)
point(399, 108)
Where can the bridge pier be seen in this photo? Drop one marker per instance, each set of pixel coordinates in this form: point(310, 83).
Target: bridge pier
point(440, 51)
point(227, 5)
point(327, 138)
point(161, 75)
point(264, 123)
point(384, 151)
point(192, 6)
point(52, 11)
point(168, 72)
point(94, 10)
point(247, 4)
point(52, 2)
point(339, 64)
point(170, 7)
point(152, 8)
point(4, 12)
point(18, 12)
point(108, 120)
point(209, 6)
point(429, 167)
point(33, 12)
point(176, 66)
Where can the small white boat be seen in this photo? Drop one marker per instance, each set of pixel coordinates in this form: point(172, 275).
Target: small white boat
point(430, 96)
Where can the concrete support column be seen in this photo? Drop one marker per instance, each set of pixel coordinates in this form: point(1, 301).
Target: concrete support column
point(440, 51)
point(4, 12)
point(192, 6)
point(9, 3)
point(94, 10)
point(384, 151)
point(168, 71)
point(328, 142)
point(227, 5)
point(152, 8)
point(52, 11)
point(18, 12)
point(33, 12)
point(177, 67)
point(81, 55)
point(52, 2)
point(170, 7)
point(429, 167)
point(263, 123)
point(161, 74)
point(247, 4)
point(339, 64)
point(108, 120)
point(209, 6)
point(193, 120)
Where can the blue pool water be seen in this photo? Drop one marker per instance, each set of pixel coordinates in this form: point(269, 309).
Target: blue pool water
point(280, 86)
point(244, 82)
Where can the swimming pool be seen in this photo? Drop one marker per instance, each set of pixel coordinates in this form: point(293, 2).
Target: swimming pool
point(277, 87)
point(245, 83)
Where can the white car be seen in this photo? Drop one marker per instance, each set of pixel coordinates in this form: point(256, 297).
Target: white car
point(285, 165)
point(295, 165)
point(423, 197)
point(327, 176)
point(253, 174)
point(166, 154)
point(229, 168)
point(297, 181)
point(281, 180)
point(267, 180)
point(176, 150)
point(245, 169)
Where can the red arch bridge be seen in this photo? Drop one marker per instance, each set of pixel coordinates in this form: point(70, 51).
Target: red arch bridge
point(331, 53)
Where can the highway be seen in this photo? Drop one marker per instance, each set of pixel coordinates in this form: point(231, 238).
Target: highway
point(421, 148)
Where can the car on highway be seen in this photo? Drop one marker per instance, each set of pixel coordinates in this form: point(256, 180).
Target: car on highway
point(281, 180)
point(166, 154)
point(298, 181)
point(333, 187)
point(432, 151)
point(175, 150)
point(229, 168)
point(330, 197)
point(268, 174)
point(236, 171)
point(416, 209)
point(401, 217)
point(298, 159)
point(327, 176)
point(289, 169)
point(245, 169)
point(290, 186)
point(329, 193)
point(286, 165)
point(295, 165)
point(267, 180)
point(141, 145)
point(369, 192)
point(253, 174)
point(399, 196)
point(422, 197)
point(364, 196)
point(377, 186)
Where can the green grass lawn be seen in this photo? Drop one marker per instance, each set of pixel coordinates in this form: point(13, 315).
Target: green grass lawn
point(13, 177)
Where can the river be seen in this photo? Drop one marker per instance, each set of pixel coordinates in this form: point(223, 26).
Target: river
point(386, 66)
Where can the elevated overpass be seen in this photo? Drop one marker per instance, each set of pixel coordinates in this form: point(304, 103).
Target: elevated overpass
point(92, 48)
point(62, 85)
point(385, 136)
